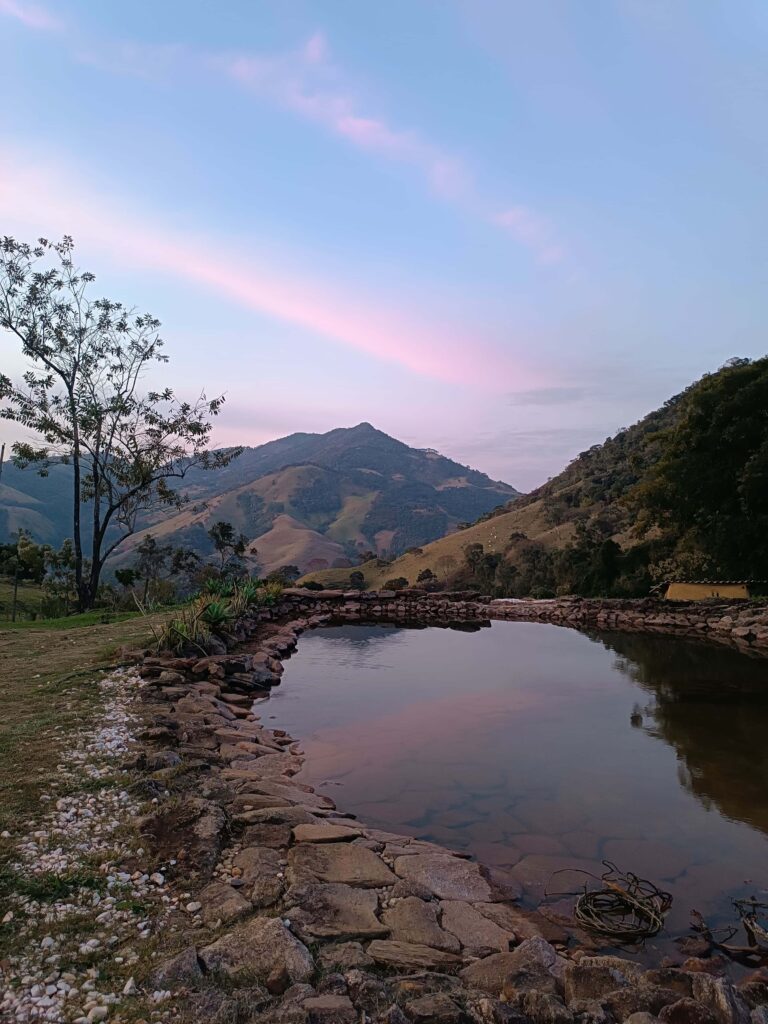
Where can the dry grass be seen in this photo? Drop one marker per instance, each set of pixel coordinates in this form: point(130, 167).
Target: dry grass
point(493, 534)
point(41, 703)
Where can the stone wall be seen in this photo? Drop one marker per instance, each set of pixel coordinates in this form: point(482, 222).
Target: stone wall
point(741, 623)
point(293, 912)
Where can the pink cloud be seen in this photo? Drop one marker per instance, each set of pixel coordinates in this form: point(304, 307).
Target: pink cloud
point(533, 231)
point(307, 82)
point(30, 15)
point(48, 201)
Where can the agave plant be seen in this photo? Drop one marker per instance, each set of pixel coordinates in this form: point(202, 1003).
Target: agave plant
point(217, 614)
point(185, 631)
point(219, 588)
point(249, 591)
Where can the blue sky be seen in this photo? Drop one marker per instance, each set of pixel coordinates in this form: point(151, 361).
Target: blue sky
point(503, 230)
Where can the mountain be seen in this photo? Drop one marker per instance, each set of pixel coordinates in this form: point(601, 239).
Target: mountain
point(588, 494)
point(310, 500)
point(681, 494)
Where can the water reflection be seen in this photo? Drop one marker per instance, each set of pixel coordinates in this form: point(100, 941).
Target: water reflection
point(712, 707)
point(536, 747)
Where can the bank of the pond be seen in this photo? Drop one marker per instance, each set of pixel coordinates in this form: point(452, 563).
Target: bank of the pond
point(298, 912)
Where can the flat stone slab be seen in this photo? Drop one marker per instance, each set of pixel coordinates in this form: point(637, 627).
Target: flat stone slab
point(257, 948)
point(322, 833)
point(334, 911)
point(477, 934)
point(260, 868)
point(222, 903)
point(337, 862)
point(410, 954)
point(488, 974)
point(414, 921)
point(448, 878)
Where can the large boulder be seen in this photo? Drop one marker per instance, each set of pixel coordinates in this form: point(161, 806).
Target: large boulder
point(448, 878)
point(259, 948)
point(334, 911)
point(412, 920)
point(478, 935)
point(338, 862)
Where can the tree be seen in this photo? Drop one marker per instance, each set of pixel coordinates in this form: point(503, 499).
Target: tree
point(357, 580)
point(473, 556)
point(230, 548)
point(397, 583)
point(426, 576)
point(156, 562)
point(83, 401)
point(708, 491)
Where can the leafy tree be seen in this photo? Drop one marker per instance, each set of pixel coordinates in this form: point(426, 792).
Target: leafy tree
point(709, 489)
point(396, 583)
point(230, 548)
point(473, 556)
point(357, 580)
point(82, 399)
point(161, 562)
point(426, 576)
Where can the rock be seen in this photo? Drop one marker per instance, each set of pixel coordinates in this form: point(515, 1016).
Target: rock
point(639, 998)
point(641, 1018)
point(477, 934)
point(343, 956)
point(181, 971)
point(192, 825)
point(534, 965)
point(588, 980)
point(407, 887)
point(448, 878)
point(322, 833)
point(276, 837)
point(722, 999)
point(410, 954)
point(505, 886)
point(256, 948)
point(337, 862)
point(523, 923)
point(488, 974)
point(687, 1011)
point(543, 1007)
point(222, 903)
point(436, 1008)
point(260, 867)
point(334, 910)
point(330, 1009)
point(411, 920)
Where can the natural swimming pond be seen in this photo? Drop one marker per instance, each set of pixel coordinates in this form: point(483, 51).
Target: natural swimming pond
point(537, 748)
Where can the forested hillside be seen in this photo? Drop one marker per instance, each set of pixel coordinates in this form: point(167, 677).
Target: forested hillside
point(682, 493)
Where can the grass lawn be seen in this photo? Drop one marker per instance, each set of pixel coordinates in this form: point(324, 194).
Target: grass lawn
point(41, 703)
point(28, 598)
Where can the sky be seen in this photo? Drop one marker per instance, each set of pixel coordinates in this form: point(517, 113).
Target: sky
point(500, 228)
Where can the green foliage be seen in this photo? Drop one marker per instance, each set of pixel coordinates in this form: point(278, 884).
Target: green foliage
point(217, 615)
point(81, 399)
point(357, 580)
point(396, 583)
point(708, 492)
point(286, 574)
point(187, 631)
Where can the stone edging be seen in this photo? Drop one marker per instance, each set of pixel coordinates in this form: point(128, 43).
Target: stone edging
point(303, 914)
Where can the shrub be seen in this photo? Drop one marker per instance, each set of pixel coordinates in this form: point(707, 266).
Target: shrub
point(396, 583)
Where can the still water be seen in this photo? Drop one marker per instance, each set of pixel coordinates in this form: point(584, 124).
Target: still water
point(538, 748)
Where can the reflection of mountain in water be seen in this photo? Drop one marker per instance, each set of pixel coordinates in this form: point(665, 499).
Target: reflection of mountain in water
point(711, 705)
